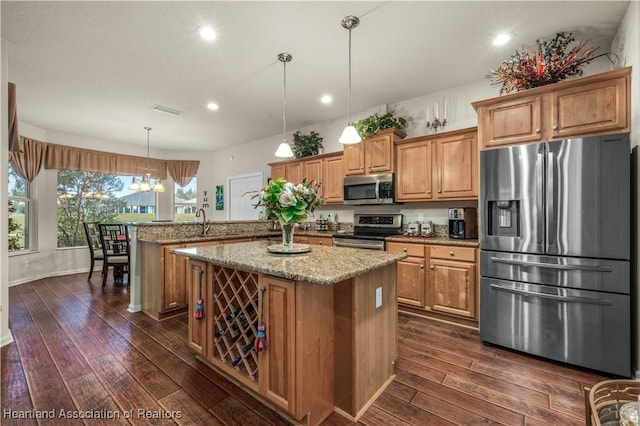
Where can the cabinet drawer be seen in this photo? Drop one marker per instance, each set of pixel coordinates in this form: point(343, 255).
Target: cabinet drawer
point(416, 250)
point(320, 241)
point(467, 254)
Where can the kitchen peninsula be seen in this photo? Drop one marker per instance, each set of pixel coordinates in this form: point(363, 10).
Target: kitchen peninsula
point(330, 318)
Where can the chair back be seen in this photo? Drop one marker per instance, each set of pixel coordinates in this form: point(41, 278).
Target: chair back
point(114, 238)
point(92, 232)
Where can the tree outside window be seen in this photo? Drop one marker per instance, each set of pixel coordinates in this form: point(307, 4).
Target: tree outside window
point(19, 209)
point(185, 202)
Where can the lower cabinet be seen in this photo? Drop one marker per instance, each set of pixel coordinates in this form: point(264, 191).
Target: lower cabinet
point(452, 280)
point(437, 278)
point(411, 284)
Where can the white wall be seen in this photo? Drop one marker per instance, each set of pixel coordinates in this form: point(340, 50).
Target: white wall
point(626, 45)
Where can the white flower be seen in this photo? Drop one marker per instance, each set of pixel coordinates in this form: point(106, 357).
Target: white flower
point(287, 199)
point(288, 187)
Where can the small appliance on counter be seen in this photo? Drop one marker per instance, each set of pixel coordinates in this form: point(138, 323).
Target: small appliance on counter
point(463, 223)
point(413, 229)
point(426, 229)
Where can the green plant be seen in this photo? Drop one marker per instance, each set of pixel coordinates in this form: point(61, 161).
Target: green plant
point(549, 64)
point(375, 123)
point(305, 145)
point(288, 202)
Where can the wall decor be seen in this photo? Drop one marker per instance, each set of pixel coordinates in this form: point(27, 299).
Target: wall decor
point(219, 197)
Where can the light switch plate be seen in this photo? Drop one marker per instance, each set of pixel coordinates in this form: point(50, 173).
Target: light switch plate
point(378, 297)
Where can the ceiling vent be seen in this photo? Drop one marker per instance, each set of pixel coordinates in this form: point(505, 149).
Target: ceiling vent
point(166, 110)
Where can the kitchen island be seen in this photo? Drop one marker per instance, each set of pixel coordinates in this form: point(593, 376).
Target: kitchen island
point(330, 319)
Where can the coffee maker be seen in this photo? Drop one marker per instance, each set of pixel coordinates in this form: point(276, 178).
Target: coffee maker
point(463, 223)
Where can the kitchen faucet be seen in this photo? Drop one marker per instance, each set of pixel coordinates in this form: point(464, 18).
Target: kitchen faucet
point(205, 226)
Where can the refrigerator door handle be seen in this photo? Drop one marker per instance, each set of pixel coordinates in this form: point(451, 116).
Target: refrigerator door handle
point(594, 268)
point(539, 195)
point(550, 212)
point(607, 302)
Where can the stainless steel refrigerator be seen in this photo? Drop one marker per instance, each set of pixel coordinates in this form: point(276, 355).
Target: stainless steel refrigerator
point(555, 250)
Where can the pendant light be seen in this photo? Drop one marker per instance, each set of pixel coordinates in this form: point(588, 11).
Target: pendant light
point(145, 184)
point(284, 150)
point(350, 134)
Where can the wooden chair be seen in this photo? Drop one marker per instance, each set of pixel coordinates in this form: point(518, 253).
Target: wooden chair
point(604, 399)
point(92, 233)
point(115, 249)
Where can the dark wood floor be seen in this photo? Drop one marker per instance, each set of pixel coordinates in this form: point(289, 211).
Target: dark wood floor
point(77, 348)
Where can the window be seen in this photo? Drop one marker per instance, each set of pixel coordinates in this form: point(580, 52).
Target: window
point(97, 197)
point(185, 202)
point(19, 212)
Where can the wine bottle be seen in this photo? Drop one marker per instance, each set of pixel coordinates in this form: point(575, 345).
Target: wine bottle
point(248, 333)
point(220, 332)
point(236, 361)
point(248, 347)
point(243, 322)
point(233, 314)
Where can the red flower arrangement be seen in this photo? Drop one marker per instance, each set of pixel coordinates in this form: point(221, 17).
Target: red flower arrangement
point(549, 64)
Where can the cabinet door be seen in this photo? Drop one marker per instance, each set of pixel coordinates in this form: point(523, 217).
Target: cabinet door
point(512, 122)
point(175, 290)
point(378, 155)
point(277, 363)
point(333, 178)
point(411, 281)
point(294, 172)
point(297, 239)
point(313, 172)
point(353, 159)
point(197, 279)
point(457, 167)
point(452, 287)
point(413, 181)
point(590, 108)
point(278, 171)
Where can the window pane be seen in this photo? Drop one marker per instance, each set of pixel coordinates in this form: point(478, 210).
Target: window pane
point(186, 202)
point(18, 220)
point(18, 186)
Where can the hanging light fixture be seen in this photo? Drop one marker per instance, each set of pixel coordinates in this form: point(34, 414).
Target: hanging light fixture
point(284, 150)
point(146, 184)
point(350, 134)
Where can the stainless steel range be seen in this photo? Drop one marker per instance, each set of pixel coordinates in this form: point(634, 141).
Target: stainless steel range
point(369, 231)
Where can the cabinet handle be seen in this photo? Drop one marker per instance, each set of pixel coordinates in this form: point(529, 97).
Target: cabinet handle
point(451, 253)
point(404, 249)
point(428, 191)
point(537, 130)
point(555, 127)
point(432, 267)
point(422, 266)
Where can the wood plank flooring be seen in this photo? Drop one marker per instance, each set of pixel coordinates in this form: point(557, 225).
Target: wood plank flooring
point(78, 351)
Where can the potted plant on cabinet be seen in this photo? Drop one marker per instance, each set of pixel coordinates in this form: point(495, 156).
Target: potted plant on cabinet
point(375, 123)
point(305, 145)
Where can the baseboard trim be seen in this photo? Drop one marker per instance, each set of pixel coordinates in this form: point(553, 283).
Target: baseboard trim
point(52, 274)
point(134, 308)
point(5, 340)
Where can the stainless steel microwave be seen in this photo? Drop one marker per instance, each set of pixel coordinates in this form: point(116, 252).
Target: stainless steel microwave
point(369, 189)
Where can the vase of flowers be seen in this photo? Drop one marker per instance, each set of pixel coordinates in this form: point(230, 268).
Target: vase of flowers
point(289, 204)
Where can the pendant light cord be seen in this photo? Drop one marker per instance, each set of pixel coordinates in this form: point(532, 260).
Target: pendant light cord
point(350, 122)
point(284, 104)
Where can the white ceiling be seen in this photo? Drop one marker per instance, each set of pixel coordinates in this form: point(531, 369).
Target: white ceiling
point(97, 68)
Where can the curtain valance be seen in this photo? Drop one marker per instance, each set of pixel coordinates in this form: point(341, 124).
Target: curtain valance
point(182, 171)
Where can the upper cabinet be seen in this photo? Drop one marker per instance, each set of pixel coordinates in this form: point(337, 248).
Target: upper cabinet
point(374, 155)
point(592, 105)
point(325, 168)
point(438, 167)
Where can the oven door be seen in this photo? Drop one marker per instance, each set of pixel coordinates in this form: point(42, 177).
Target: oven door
point(358, 243)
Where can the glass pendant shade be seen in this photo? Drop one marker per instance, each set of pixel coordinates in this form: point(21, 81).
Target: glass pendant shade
point(284, 150)
point(135, 185)
point(158, 187)
point(349, 135)
point(144, 185)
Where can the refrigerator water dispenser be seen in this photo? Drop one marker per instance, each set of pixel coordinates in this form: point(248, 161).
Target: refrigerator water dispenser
point(503, 218)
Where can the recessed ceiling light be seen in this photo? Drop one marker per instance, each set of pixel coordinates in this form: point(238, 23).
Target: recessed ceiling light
point(213, 106)
point(501, 39)
point(206, 33)
point(326, 99)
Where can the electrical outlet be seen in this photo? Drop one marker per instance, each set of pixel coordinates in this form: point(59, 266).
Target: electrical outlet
point(378, 297)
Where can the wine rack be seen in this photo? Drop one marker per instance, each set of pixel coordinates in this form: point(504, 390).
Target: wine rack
point(235, 320)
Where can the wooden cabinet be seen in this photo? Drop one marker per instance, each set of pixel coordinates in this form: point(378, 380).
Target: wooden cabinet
point(197, 282)
point(326, 169)
point(300, 239)
point(452, 280)
point(174, 295)
point(411, 284)
point(332, 179)
point(374, 155)
point(320, 241)
point(597, 104)
point(438, 167)
point(277, 364)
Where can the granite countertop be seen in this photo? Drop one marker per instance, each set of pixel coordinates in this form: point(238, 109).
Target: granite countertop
point(322, 265)
point(434, 240)
point(228, 236)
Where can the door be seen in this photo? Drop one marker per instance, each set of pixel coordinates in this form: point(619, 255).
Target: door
point(332, 188)
point(586, 328)
point(414, 171)
point(457, 167)
point(379, 154)
point(411, 281)
point(453, 287)
point(511, 199)
point(588, 197)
